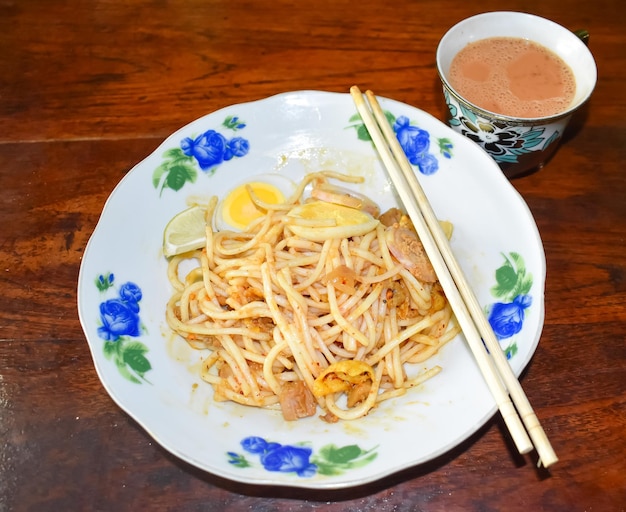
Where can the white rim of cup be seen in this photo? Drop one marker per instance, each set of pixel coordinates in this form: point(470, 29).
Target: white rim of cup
point(513, 119)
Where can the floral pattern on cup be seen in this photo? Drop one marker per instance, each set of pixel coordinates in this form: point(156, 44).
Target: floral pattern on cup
point(119, 325)
point(300, 459)
point(504, 141)
point(414, 141)
point(207, 151)
point(513, 285)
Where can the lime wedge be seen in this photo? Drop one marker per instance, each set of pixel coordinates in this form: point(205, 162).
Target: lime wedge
point(185, 232)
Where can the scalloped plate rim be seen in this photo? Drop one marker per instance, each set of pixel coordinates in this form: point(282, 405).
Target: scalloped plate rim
point(278, 478)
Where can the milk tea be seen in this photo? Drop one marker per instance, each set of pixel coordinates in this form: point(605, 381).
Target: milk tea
point(513, 76)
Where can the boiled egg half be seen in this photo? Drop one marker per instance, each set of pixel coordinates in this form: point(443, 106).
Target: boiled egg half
point(237, 210)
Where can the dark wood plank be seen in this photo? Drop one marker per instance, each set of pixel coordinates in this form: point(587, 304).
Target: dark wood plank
point(89, 88)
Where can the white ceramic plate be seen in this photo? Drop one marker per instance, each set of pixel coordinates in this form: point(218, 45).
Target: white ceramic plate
point(153, 375)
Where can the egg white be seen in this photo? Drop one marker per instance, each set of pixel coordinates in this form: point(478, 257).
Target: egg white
point(286, 186)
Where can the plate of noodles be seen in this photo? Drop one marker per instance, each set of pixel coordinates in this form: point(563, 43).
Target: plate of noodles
point(254, 296)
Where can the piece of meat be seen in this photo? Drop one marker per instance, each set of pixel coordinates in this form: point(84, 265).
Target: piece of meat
point(296, 401)
point(395, 216)
point(390, 217)
point(358, 393)
point(329, 417)
point(408, 250)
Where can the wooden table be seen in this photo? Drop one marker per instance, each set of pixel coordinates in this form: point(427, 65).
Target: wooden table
point(89, 88)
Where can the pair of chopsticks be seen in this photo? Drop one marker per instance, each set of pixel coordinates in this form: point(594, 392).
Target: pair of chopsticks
point(517, 414)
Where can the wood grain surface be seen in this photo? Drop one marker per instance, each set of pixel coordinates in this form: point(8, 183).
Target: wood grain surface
point(90, 88)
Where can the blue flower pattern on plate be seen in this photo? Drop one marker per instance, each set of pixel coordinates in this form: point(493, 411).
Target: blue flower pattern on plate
point(513, 285)
point(415, 142)
point(119, 322)
point(300, 459)
point(279, 457)
point(208, 151)
point(120, 316)
point(507, 319)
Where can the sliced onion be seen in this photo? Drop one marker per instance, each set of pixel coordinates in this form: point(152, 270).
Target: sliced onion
point(338, 195)
point(343, 278)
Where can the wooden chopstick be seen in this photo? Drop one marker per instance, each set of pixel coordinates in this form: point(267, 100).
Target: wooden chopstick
point(493, 364)
point(486, 365)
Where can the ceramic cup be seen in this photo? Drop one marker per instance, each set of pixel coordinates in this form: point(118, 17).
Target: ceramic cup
point(518, 145)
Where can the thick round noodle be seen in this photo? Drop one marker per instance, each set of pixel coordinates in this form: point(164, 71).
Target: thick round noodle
point(273, 308)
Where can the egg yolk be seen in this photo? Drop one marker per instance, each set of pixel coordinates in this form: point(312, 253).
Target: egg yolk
point(238, 209)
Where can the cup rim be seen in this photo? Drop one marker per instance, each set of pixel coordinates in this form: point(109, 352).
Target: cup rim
point(503, 117)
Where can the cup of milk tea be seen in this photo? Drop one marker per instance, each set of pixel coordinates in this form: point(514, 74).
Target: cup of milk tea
point(512, 81)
